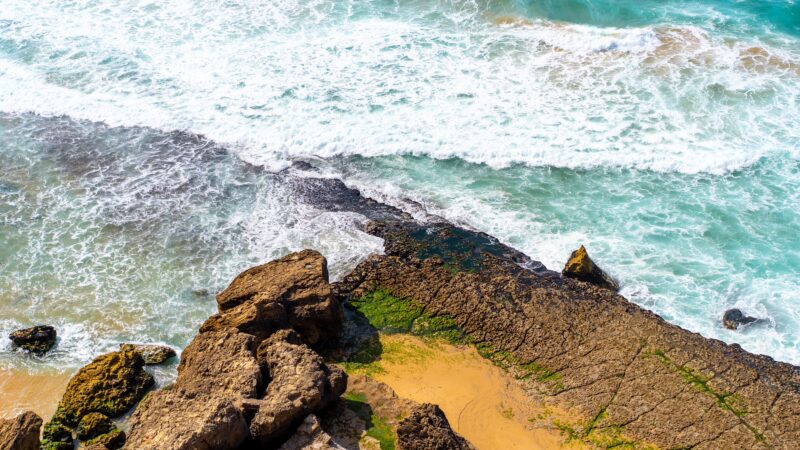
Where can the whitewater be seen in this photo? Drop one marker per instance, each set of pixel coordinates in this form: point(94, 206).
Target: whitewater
point(662, 135)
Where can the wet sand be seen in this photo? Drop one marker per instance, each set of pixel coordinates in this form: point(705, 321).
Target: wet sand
point(23, 391)
point(482, 402)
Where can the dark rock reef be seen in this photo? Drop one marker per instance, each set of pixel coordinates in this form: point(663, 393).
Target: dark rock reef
point(21, 432)
point(39, 339)
point(734, 318)
point(633, 377)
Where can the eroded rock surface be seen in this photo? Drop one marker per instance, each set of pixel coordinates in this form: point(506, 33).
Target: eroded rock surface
point(427, 428)
point(581, 267)
point(624, 370)
point(21, 432)
point(301, 383)
point(217, 371)
point(299, 283)
point(38, 339)
point(151, 353)
point(311, 436)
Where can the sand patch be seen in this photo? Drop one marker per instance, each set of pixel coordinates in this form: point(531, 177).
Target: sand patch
point(483, 403)
point(23, 391)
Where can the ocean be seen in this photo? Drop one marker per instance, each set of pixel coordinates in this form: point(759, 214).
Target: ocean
point(139, 143)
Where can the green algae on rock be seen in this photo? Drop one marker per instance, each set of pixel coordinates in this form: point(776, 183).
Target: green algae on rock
point(94, 424)
point(111, 385)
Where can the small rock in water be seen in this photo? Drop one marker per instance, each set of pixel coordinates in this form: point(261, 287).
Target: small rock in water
point(21, 432)
point(151, 353)
point(581, 267)
point(735, 317)
point(38, 339)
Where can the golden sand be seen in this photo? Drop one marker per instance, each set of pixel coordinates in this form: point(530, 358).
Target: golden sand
point(482, 402)
point(23, 391)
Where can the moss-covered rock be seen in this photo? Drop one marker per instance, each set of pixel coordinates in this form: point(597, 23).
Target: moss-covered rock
point(111, 385)
point(112, 440)
point(93, 425)
point(56, 436)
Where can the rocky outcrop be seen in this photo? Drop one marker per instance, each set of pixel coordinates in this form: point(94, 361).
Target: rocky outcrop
point(311, 436)
point(733, 318)
point(250, 375)
point(151, 354)
point(427, 428)
point(581, 267)
point(21, 432)
point(38, 339)
point(218, 370)
point(298, 283)
point(300, 384)
point(629, 374)
point(111, 385)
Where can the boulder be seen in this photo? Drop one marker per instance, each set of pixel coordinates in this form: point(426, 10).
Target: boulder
point(21, 432)
point(260, 319)
point(151, 353)
point(111, 384)
point(427, 428)
point(581, 267)
point(735, 317)
point(112, 440)
point(300, 384)
point(299, 282)
point(38, 339)
point(56, 436)
point(93, 425)
point(311, 436)
point(203, 409)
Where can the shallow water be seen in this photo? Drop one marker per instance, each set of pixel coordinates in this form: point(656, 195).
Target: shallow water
point(663, 135)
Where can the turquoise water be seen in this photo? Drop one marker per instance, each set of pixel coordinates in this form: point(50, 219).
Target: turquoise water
point(664, 135)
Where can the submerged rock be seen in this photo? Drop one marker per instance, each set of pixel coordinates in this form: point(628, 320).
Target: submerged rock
point(38, 339)
point(735, 317)
point(21, 432)
point(151, 353)
point(299, 283)
point(581, 267)
point(111, 385)
point(301, 384)
point(427, 428)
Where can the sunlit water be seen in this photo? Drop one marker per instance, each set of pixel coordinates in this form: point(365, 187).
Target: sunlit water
point(663, 135)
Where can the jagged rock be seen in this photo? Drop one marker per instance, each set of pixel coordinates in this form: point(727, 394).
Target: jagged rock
point(581, 267)
point(427, 428)
point(93, 425)
point(38, 339)
point(203, 409)
point(734, 317)
point(610, 362)
point(112, 440)
point(151, 353)
point(56, 436)
point(259, 318)
point(311, 436)
point(299, 282)
point(300, 384)
point(21, 432)
point(111, 384)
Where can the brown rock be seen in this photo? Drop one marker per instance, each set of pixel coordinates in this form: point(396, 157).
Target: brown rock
point(300, 384)
point(311, 436)
point(581, 267)
point(21, 432)
point(299, 282)
point(38, 339)
point(203, 409)
point(152, 354)
point(111, 384)
point(428, 429)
